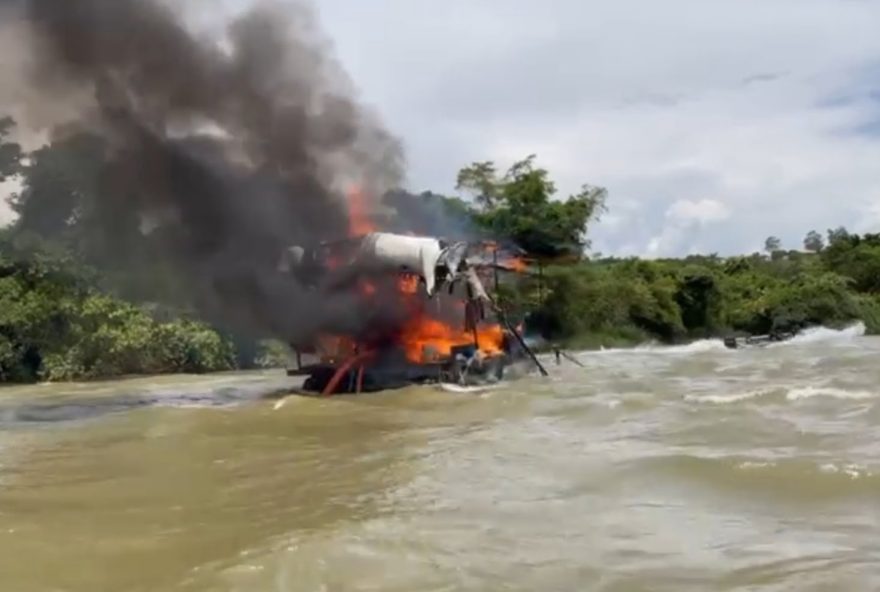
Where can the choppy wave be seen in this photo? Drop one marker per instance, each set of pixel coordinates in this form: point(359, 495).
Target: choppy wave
point(791, 478)
point(695, 347)
point(727, 398)
point(702, 345)
point(788, 393)
point(67, 409)
point(808, 392)
point(808, 336)
point(824, 334)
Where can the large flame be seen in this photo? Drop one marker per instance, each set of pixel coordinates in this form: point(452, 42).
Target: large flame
point(517, 264)
point(425, 339)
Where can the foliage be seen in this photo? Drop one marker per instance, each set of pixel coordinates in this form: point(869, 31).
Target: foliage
point(814, 242)
point(855, 257)
point(520, 206)
point(674, 300)
point(272, 354)
point(772, 244)
point(54, 325)
point(481, 179)
point(10, 152)
point(608, 301)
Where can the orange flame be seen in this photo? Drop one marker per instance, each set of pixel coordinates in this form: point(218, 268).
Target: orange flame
point(335, 348)
point(422, 338)
point(408, 284)
point(518, 265)
point(425, 339)
point(359, 222)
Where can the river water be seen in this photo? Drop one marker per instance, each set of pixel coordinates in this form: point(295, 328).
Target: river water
point(689, 468)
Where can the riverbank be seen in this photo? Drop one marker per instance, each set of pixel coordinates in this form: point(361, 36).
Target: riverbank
point(58, 322)
point(616, 302)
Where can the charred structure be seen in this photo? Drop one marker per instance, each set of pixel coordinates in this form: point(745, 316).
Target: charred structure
point(444, 332)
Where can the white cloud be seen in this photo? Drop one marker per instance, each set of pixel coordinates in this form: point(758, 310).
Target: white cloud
point(713, 123)
point(701, 211)
point(745, 104)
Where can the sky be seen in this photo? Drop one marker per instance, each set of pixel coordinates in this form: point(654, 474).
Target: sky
point(712, 123)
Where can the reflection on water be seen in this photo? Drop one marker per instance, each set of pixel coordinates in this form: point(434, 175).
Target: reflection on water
point(692, 468)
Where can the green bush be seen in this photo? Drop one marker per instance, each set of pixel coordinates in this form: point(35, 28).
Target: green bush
point(612, 301)
point(55, 326)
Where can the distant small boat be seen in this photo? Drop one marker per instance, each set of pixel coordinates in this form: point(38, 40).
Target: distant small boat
point(757, 340)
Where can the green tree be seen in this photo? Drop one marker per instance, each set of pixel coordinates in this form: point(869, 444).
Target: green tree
point(480, 178)
point(772, 244)
point(814, 242)
point(857, 258)
point(837, 235)
point(55, 324)
point(60, 189)
point(10, 152)
point(522, 209)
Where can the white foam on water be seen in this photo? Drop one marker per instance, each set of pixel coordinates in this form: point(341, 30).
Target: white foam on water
point(792, 393)
point(702, 345)
point(750, 464)
point(726, 398)
point(808, 336)
point(808, 392)
point(824, 334)
point(852, 470)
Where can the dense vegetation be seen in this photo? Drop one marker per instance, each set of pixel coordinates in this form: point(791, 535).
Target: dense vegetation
point(55, 325)
point(61, 318)
point(611, 301)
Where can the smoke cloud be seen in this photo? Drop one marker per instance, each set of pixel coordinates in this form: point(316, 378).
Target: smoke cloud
point(225, 150)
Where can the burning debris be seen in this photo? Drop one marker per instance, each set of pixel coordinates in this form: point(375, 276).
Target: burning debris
point(441, 331)
point(438, 329)
point(443, 334)
point(431, 260)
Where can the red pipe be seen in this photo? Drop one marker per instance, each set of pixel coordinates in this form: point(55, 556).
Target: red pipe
point(360, 381)
point(340, 372)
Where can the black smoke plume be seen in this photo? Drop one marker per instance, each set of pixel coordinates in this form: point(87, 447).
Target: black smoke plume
point(225, 149)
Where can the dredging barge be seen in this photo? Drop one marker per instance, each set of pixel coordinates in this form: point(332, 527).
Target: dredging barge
point(448, 329)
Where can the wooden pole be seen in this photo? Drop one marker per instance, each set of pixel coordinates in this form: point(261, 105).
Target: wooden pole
point(540, 281)
point(470, 315)
point(522, 343)
point(504, 321)
point(495, 267)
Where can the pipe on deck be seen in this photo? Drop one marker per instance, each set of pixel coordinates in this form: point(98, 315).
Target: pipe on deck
point(331, 386)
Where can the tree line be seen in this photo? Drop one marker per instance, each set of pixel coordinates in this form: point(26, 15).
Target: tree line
point(70, 309)
point(603, 301)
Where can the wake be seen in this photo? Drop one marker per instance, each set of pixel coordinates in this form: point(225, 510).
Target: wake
point(813, 335)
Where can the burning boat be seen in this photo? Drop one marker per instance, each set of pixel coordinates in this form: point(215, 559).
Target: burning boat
point(438, 325)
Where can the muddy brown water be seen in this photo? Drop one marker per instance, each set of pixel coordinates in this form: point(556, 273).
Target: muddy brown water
point(691, 468)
